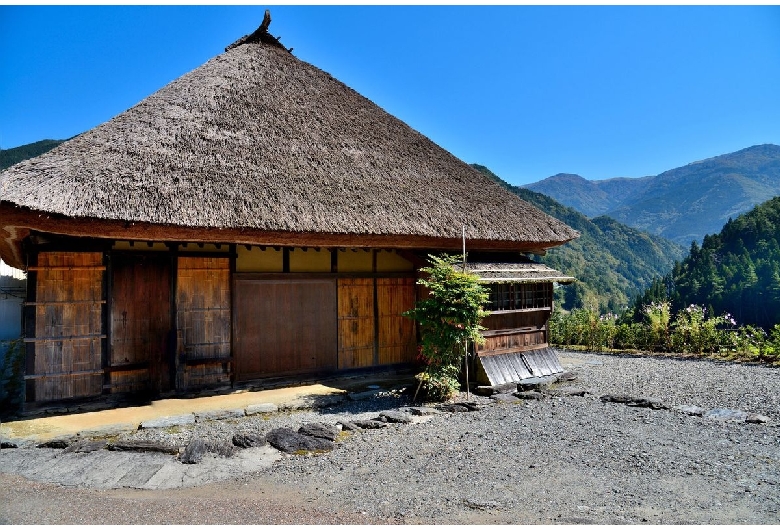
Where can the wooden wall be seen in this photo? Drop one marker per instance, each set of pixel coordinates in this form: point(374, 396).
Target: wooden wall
point(139, 353)
point(65, 326)
point(283, 326)
point(519, 329)
point(397, 333)
point(138, 317)
point(357, 325)
point(203, 322)
point(372, 328)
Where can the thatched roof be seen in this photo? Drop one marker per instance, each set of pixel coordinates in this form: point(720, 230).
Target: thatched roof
point(528, 272)
point(258, 140)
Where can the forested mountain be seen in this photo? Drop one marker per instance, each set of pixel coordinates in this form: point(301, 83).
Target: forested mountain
point(682, 204)
point(9, 157)
point(736, 271)
point(612, 262)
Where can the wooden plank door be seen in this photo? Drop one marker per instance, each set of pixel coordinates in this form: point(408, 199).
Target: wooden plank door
point(140, 323)
point(356, 322)
point(203, 320)
point(65, 352)
point(283, 327)
point(397, 333)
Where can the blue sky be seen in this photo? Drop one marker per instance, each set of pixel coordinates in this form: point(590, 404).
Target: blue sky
point(528, 91)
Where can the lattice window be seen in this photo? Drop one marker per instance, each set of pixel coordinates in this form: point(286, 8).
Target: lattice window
point(518, 296)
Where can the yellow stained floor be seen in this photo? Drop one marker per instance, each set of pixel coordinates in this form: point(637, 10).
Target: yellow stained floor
point(51, 427)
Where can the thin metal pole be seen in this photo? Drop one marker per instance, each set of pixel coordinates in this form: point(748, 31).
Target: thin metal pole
point(466, 340)
point(464, 248)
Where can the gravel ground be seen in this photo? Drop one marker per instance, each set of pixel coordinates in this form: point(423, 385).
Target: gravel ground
point(567, 459)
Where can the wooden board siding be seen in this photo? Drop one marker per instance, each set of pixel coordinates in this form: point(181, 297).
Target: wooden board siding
point(140, 323)
point(397, 333)
point(203, 321)
point(356, 322)
point(502, 342)
point(283, 326)
point(65, 351)
point(536, 318)
point(509, 331)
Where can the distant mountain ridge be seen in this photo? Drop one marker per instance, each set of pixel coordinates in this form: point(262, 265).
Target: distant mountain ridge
point(613, 263)
point(682, 204)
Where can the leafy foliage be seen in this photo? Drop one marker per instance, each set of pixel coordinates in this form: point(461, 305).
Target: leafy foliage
point(448, 317)
point(692, 330)
point(612, 262)
point(735, 272)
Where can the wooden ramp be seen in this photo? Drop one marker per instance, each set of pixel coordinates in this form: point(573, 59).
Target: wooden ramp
point(513, 367)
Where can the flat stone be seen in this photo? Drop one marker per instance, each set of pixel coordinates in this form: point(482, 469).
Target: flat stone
point(650, 403)
point(529, 394)
point(423, 411)
point(726, 415)
point(295, 404)
point(609, 398)
point(369, 424)
point(505, 398)
point(629, 401)
point(459, 407)
point(319, 430)
point(216, 415)
point(289, 441)
point(248, 439)
point(168, 421)
point(261, 408)
point(221, 446)
point(535, 383)
point(57, 443)
point(567, 376)
point(194, 452)
point(86, 446)
point(395, 416)
point(690, 410)
point(757, 418)
point(453, 407)
point(569, 391)
point(136, 445)
point(504, 388)
point(104, 431)
point(348, 426)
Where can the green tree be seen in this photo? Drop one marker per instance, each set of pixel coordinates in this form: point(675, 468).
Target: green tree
point(449, 317)
point(733, 272)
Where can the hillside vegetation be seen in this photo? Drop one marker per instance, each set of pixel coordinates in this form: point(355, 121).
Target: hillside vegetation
point(9, 157)
point(736, 271)
point(613, 263)
point(681, 204)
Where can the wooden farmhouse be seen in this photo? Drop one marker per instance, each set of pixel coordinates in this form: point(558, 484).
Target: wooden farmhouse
point(255, 219)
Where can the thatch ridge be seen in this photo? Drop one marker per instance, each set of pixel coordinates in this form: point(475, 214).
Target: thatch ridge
point(527, 272)
point(257, 139)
